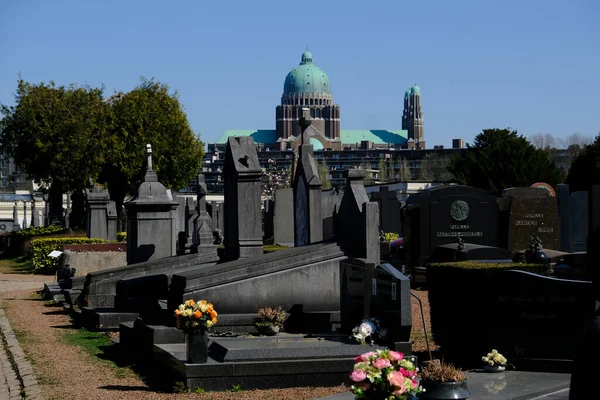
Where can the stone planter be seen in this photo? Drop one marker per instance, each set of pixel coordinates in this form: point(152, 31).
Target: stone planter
point(196, 347)
point(268, 330)
point(493, 368)
point(444, 390)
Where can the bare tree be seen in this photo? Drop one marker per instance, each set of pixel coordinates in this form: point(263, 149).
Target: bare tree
point(576, 139)
point(544, 141)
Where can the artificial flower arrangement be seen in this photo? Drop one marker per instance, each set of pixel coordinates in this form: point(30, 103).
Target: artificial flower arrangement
point(369, 330)
point(494, 358)
point(384, 374)
point(195, 316)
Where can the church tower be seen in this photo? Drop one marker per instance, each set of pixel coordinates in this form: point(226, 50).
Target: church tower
point(412, 118)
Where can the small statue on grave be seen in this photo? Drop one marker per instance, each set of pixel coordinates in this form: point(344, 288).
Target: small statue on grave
point(218, 235)
point(461, 244)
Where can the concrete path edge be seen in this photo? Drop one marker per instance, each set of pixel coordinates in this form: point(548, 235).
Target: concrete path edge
point(19, 379)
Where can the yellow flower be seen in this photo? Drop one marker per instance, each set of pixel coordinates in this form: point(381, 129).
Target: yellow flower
point(209, 323)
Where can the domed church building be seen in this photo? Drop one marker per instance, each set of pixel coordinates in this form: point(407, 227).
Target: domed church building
point(307, 86)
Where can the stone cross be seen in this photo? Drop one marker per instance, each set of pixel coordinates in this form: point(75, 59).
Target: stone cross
point(305, 122)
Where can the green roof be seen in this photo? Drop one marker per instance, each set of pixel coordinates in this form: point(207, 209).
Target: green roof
point(316, 144)
point(377, 136)
point(259, 135)
point(306, 78)
point(415, 90)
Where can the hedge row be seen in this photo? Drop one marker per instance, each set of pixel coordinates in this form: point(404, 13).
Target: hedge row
point(40, 248)
point(38, 231)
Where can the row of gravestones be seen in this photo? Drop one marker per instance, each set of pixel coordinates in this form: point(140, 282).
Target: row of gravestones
point(194, 219)
point(442, 215)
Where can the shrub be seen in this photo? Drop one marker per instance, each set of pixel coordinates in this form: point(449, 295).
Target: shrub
point(121, 236)
point(42, 264)
point(39, 231)
point(271, 316)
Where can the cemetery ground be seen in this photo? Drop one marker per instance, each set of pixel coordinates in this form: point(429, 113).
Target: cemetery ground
point(70, 362)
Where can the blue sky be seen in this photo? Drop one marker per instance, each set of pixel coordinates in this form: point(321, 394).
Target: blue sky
point(531, 65)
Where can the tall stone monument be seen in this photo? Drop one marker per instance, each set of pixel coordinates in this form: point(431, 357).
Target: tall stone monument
point(357, 220)
point(97, 213)
point(243, 220)
point(308, 213)
point(151, 220)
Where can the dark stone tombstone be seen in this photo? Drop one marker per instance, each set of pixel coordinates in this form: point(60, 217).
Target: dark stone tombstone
point(438, 216)
point(586, 368)
point(389, 209)
point(573, 211)
point(283, 218)
point(151, 224)
point(537, 317)
point(357, 220)
point(391, 302)
point(181, 224)
point(242, 174)
point(529, 212)
point(308, 220)
point(378, 291)
point(268, 220)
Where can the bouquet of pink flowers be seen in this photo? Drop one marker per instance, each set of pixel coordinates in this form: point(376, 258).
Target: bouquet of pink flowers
point(384, 374)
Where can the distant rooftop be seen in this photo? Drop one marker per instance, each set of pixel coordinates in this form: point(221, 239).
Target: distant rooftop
point(377, 136)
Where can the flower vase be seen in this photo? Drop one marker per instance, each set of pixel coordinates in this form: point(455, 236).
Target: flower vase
point(196, 347)
point(494, 368)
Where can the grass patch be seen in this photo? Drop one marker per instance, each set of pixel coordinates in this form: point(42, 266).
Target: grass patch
point(98, 345)
point(17, 265)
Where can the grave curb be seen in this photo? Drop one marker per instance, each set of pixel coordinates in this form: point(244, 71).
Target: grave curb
point(24, 377)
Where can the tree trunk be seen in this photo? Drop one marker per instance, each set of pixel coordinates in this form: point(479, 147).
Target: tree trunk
point(77, 220)
point(56, 204)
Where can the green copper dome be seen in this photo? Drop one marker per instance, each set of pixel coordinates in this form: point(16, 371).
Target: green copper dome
point(306, 78)
point(407, 93)
point(415, 90)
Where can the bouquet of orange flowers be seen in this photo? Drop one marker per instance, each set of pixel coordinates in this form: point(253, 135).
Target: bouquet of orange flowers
point(195, 316)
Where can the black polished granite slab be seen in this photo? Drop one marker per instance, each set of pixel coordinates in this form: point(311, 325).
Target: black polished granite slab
point(508, 385)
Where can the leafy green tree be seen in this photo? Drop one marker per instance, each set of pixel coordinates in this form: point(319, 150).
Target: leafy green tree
point(150, 114)
point(500, 158)
point(57, 135)
point(324, 174)
point(585, 168)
